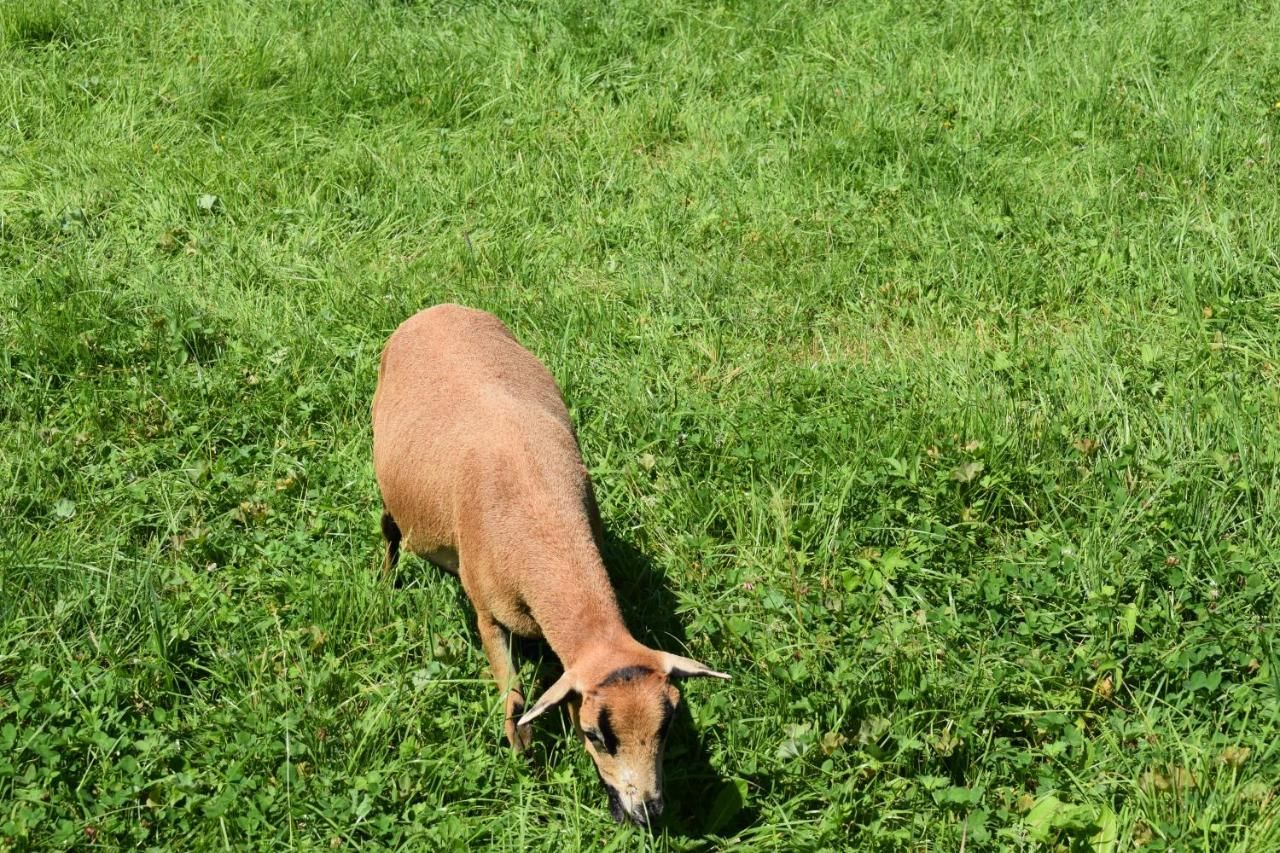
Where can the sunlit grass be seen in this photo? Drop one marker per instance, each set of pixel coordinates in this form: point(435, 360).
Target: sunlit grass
point(925, 358)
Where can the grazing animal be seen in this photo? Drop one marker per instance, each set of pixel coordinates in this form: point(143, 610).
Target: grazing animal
point(480, 474)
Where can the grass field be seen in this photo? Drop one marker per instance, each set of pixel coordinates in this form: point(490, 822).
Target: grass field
point(926, 357)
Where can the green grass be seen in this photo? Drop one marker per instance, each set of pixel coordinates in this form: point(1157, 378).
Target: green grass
point(926, 357)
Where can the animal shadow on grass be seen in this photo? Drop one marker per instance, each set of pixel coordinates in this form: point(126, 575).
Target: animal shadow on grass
point(699, 802)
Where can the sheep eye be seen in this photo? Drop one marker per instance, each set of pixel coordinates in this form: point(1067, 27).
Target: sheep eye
point(602, 734)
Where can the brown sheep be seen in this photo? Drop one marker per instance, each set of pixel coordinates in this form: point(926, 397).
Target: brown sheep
point(481, 475)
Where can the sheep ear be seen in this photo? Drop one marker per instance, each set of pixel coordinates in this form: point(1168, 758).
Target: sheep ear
point(680, 667)
point(554, 695)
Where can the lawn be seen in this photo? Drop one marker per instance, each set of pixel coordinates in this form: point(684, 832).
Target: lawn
point(926, 357)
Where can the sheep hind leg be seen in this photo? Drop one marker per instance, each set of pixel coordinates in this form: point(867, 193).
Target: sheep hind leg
point(390, 532)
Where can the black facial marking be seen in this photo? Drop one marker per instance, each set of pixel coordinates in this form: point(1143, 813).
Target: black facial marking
point(625, 674)
point(606, 732)
point(615, 802)
point(668, 711)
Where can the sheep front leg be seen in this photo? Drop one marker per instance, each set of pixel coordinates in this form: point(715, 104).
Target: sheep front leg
point(497, 645)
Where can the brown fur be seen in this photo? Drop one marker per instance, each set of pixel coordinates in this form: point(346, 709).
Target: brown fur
point(480, 473)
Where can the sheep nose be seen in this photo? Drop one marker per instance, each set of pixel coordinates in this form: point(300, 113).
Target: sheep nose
point(648, 811)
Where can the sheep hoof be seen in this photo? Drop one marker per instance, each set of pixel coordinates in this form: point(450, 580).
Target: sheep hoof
point(520, 737)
